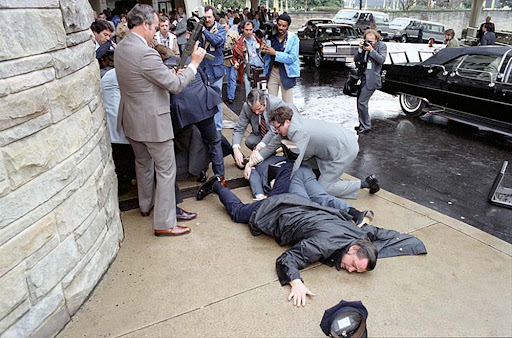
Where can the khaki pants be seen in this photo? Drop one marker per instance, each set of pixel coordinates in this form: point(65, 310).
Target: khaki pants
point(274, 83)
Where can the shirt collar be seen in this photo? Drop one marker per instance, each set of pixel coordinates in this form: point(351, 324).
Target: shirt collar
point(140, 37)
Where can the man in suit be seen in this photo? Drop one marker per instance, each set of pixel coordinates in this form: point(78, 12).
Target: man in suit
point(488, 36)
point(256, 111)
point(144, 112)
point(181, 30)
point(321, 145)
point(370, 58)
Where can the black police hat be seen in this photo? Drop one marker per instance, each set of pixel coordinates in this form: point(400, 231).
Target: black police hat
point(346, 319)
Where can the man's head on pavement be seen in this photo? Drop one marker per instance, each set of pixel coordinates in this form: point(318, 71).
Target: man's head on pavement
point(248, 29)
point(209, 15)
point(360, 257)
point(142, 19)
point(283, 23)
point(164, 25)
point(257, 101)
point(102, 31)
point(280, 119)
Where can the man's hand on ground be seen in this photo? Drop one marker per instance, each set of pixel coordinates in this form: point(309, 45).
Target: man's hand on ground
point(299, 293)
point(239, 157)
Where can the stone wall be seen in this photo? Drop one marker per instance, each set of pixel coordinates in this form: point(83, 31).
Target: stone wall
point(59, 217)
point(456, 19)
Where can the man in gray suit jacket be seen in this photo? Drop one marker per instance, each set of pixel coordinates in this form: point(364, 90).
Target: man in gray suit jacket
point(144, 113)
point(256, 111)
point(371, 57)
point(321, 145)
point(181, 32)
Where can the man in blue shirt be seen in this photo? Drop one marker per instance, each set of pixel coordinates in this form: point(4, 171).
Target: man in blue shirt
point(282, 60)
point(213, 40)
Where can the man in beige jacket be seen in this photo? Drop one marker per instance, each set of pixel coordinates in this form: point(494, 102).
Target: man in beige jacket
point(144, 112)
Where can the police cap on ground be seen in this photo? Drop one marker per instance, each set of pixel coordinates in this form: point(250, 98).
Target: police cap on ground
point(346, 319)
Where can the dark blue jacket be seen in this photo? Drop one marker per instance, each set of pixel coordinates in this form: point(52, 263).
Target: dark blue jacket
point(213, 69)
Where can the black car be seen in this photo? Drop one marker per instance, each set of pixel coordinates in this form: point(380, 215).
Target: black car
point(313, 22)
point(472, 85)
point(329, 42)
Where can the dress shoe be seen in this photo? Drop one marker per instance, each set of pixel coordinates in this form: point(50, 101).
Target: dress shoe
point(146, 213)
point(373, 182)
point(365, 131)
point(184, 215)
point(206, 188)
point(177, 230)
point(202, 176)
point(230, 101)
point(223, 182)
point(360, 221)
point(356, 128)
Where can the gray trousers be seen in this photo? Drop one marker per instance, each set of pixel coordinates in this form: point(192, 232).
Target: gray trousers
point(363, 98)
point(304, 184)
point(159, 157)
point(331, 170)
point(252, 140)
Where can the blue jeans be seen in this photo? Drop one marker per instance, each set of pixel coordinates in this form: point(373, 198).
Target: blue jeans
point(230, 73)
point(218, 116)
point(259, 176)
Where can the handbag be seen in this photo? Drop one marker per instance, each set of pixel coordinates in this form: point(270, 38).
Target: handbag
point(353, 85)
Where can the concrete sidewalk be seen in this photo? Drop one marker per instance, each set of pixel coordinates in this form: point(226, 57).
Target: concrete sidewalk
point(221, 281)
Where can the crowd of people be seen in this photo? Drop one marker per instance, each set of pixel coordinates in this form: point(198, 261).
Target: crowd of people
point(159, 110)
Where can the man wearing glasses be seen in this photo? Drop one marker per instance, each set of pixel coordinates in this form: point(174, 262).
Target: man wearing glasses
point(321, 145)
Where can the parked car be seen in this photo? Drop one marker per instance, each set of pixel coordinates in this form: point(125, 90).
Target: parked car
point(362, 20)
point(314, 22)
point(329, 42)
point(407, 29)
point(472, 85)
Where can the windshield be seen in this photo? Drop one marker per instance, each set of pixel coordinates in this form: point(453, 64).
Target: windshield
point(348, 15)
point(400, 23)
point(336, 33)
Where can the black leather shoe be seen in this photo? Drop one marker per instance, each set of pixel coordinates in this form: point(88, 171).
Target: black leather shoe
point(230, 101)
point(206, 188)
point(184, 215)
point(202, 177)
point(360, 219)
point(373, 182)
point(146, 213)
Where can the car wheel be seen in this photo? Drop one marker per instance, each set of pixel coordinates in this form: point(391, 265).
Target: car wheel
point(403, 39)
point(318, 59)
point(412, 105)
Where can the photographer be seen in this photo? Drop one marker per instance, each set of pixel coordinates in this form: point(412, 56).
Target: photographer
point(213, 40)
point(282, 60)
point(369, 59)
point(247, 53)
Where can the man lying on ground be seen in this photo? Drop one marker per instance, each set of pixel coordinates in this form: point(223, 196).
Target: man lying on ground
point(317, 233)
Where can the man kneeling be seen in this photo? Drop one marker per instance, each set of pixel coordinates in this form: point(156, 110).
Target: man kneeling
point(317, 233)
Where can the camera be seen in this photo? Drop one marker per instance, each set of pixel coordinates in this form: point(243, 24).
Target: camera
point(267, 31)
point(366, 43)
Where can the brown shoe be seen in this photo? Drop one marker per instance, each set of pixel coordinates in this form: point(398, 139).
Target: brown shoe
point(177, 230)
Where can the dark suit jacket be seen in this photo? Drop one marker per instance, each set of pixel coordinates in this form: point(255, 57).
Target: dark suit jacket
point(197, 102)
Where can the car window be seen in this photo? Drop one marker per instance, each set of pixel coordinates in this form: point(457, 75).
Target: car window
point(349, 32)
point(481, 67)
point(329, 32)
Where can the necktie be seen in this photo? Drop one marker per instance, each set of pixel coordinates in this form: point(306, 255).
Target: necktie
point(263, 126)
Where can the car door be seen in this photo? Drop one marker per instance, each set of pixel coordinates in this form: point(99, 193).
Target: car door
point(306, 44)
point(503, 91)
point(472, 83)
